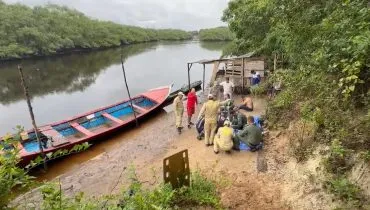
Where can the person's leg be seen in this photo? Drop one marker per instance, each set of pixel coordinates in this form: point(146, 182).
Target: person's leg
point(236, 142)
point(213, 132)
point(179, 121)
point(207, 132)
point(216, 145)
point(245, 108)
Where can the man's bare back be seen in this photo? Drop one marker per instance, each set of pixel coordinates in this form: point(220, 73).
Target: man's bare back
point(248, 102)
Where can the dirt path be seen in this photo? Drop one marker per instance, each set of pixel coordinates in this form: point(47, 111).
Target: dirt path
point(253, 180)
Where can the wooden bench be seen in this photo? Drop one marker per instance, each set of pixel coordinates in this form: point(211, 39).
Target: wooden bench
point(81, 129)
point(141, 109)
point(112, 118)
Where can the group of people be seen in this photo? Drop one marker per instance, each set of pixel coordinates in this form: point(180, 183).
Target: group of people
point(236, 127)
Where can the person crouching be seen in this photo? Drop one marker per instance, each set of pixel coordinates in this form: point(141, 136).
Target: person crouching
point(224, 138)
point(250, 135)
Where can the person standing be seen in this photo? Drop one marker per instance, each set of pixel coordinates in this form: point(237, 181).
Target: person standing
point(228, 87)
point(256, 78)
point(179, 111)
point(210, 111)
point(224, 138)
point(190, 105)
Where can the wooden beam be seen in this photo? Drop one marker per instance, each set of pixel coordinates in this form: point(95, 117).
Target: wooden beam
point(243, 74)
point(204, 74)
point(112, 118)
point(81, 129)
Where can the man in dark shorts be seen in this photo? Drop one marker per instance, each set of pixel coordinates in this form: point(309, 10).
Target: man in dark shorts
point(247, 104)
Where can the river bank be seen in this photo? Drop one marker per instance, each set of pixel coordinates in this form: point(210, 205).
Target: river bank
point(261, 180)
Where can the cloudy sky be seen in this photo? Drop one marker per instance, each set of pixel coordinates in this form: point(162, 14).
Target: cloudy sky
point(182, 14)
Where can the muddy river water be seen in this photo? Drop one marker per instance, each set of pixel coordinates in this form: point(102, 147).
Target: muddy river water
point(64, 86)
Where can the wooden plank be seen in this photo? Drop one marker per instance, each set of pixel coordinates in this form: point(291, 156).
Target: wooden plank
point(112, 118)
point(49, 131)
point(81, 129)
point(141, 109)
point(57, 138)
point(176, 169)
point(214, 72)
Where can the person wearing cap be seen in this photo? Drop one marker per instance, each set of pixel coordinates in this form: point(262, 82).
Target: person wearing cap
point(224, 138)
point(190, 105)
point(179, 111)
point(210, 111)
point(238, 119)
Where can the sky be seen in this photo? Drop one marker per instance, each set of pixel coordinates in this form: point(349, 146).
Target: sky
point(179, 14)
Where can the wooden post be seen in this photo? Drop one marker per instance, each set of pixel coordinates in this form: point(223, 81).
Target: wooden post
point(243, 74)
point(204, 74)
point(189, 66)
point(128, 90)
point(26, 94)
point(275, 62)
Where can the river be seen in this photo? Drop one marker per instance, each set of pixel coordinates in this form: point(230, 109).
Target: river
point(64, 86)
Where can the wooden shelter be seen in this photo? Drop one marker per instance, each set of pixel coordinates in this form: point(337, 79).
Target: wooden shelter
point(238, 69)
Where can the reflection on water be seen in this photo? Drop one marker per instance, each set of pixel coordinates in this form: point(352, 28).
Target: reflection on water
point(68, 85)
point(68, 73)
point(214, 46)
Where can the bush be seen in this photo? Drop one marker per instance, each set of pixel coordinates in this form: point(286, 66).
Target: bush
point(11, 176)
point(259, 90)
point(202, 192)
point(337, 162)
point(345, 190)
point(301, 137)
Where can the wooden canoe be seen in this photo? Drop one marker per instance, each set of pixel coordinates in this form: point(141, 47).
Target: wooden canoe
point(92, 125)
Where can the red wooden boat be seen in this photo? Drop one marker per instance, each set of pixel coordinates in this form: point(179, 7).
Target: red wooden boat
point(90, 126)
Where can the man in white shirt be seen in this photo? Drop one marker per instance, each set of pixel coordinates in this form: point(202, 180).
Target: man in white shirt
point(228, 87)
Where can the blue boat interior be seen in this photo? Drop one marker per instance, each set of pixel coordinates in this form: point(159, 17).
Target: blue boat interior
point(144, 102)
point(96, 121)
point(92, 122)
point(32, 145)
point(66, 130)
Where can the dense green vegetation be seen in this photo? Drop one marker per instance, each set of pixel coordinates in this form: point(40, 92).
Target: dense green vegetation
point(52, 29)
point(322, 49)
point(216, 34)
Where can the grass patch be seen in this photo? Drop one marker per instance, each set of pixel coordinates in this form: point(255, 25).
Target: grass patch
point(346, 191)
point(201, 193)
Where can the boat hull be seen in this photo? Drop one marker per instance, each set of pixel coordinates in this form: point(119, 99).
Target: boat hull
point(144, 104)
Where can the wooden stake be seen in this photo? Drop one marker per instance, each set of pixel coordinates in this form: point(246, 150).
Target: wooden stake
point(26, 94)
point(204, 75)
point(128, 91)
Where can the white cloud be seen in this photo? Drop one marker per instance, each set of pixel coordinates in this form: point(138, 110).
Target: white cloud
point(183, 14)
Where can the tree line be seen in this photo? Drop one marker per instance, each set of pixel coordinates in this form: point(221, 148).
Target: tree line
point(52, 29)
point(216, 34)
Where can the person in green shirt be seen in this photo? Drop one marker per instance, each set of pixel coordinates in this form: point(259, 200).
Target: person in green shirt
point(250, 135)
point(238, 119)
